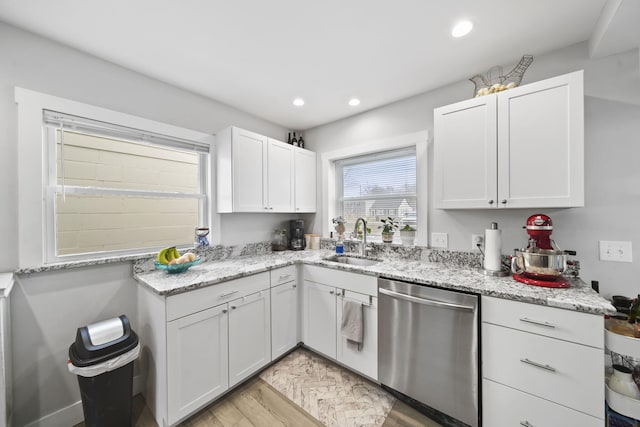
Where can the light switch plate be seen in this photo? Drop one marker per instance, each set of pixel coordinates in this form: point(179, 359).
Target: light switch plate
point(439, 240)
point(615, 251)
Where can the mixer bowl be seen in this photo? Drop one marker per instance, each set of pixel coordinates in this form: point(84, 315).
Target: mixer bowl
point(540, 263)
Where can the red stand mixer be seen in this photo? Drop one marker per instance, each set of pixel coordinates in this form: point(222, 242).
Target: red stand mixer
point(541, 263)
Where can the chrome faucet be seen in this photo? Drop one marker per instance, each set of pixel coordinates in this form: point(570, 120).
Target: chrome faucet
point(364, 234)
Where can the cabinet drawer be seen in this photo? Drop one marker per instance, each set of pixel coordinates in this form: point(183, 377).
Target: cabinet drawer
point(504, 406)
point(552, 322)
point(284, 275)
point(342, 279)
point(563, 372)
point(201, 299)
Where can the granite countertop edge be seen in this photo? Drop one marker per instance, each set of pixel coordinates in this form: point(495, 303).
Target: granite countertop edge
point(579, 297)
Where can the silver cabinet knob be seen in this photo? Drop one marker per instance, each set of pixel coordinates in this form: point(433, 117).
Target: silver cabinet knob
point(233, 307)
point(503, 201)
point(490, 202)
point(224, 311)
point(331, 292)
point(295, 286)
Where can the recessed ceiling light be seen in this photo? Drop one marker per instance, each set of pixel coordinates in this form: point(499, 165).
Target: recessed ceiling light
point(462, 28)
point(298, 102)
point(354, 102)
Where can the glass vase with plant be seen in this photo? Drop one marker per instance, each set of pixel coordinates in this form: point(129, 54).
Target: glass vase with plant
point(339, 226)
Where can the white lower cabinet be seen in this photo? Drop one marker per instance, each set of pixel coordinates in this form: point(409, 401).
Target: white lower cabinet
point(508, 407)
point(249, 335)
point(197, 360)
point(363, 358)
point(319, 308)
point(547, 363)
point(322, 317)
point(284, 318)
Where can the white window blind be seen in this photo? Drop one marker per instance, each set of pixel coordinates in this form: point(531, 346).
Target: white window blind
point(119, 190)
point(377, 186)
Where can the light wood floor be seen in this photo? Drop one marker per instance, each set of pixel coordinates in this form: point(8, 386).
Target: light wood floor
point(257, 404)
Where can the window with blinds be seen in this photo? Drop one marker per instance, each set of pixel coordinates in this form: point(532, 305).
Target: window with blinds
point(120, 190)
point(377, 186)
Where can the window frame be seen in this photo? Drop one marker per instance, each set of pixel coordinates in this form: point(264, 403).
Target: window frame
point(419, 140)
point(340, 199)
point(33, 208)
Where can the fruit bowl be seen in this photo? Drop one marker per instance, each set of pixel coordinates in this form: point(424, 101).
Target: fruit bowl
point(176, 268)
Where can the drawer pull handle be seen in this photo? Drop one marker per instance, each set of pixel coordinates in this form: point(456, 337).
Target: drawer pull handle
point(537, 322)
point(229, 293)
point(526, 423)
point(286, 276)
point(538, 365)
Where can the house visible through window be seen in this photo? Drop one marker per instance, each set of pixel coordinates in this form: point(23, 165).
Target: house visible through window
point(117, 189)
point(377, 186)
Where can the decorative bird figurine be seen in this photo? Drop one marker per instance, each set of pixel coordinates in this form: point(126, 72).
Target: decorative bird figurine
point(495, 81)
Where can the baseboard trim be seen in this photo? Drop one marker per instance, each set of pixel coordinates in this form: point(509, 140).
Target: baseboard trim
point(72, 414)
point(67, 416)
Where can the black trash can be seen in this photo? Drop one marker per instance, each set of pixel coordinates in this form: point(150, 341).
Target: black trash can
point(102, 356)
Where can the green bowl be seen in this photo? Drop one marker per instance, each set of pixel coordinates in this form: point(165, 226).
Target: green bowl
point(176, 268)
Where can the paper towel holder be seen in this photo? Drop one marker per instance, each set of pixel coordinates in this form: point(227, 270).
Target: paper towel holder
point(502, 272)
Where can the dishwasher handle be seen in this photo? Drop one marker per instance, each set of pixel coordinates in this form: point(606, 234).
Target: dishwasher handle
point(425, 301)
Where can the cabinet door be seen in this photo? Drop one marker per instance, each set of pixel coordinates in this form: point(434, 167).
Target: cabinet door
point(319, 318)
point(279, 176)
point(197, 360)
point(541, 144)
point(363, 358)
point(465, 154)
point(284, 318)
point(249, 165)
point(305, 180)
point(249, 335)
point(504, 406)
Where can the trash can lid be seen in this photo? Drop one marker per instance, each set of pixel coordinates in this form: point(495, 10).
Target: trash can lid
point(101, 341)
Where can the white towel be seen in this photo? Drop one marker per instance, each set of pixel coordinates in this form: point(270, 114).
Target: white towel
point(352, 321)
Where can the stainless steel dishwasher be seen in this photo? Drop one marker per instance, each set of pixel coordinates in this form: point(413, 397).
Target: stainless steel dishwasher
point(428, 347)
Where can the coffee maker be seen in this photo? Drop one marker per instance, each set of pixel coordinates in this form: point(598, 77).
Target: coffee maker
point(296, 232)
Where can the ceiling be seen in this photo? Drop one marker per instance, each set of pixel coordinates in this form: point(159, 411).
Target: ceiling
point(258, 56)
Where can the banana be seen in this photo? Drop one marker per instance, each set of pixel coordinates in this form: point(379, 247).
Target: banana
point(166, 255)
point(162, 256)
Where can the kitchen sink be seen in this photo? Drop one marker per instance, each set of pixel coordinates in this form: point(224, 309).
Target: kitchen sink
point(353, 260)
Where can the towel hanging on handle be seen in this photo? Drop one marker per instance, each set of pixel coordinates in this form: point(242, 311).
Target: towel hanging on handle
point(352, 326)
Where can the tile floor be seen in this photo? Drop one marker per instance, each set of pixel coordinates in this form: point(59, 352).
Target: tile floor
point(301, 390)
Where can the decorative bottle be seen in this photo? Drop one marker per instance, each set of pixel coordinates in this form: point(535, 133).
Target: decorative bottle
point(294, 141)
point(300, 142)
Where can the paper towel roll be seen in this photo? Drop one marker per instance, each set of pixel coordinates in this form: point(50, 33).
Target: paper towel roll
point(492, 249)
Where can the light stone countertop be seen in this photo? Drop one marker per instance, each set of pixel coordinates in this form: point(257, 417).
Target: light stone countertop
point(579, 297)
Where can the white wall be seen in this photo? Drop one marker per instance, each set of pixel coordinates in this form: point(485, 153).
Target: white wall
point(48, 307)
point(612, 162)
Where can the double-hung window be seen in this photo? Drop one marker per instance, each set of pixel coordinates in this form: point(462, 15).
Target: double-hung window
point(118, 190)
point(377, 186)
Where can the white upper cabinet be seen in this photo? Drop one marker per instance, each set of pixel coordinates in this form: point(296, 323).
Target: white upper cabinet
point(279, 177)
point(521, 148)
point(304, 180)
point(258, 174)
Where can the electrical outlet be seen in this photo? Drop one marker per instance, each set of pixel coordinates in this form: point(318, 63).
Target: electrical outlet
point(439, 240)
point(477, 239)
point(615, 251)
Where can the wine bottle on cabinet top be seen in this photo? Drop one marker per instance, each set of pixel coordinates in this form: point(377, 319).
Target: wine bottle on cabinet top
point(300, 142)
point(289, 140)
point(294, 141)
